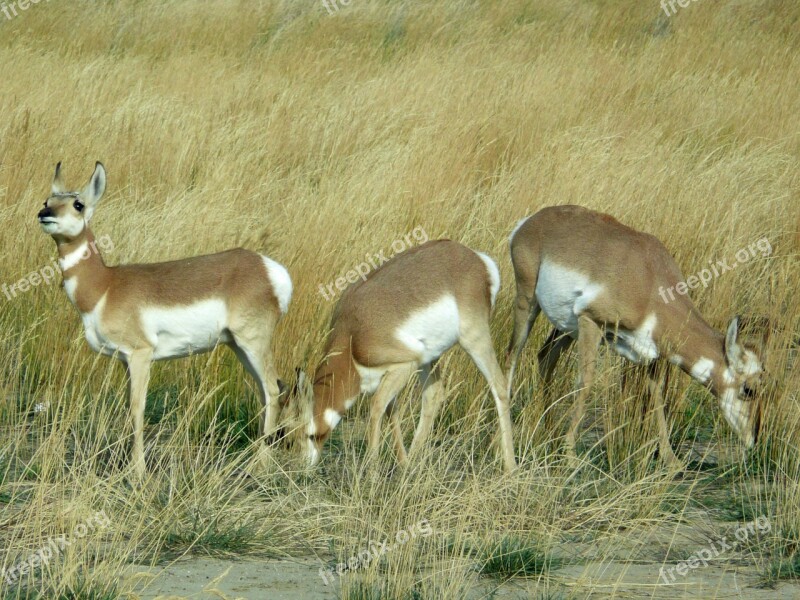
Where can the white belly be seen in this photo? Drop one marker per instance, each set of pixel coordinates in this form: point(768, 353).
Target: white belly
point(431, 331)
point(178, 331)
point(563, 295)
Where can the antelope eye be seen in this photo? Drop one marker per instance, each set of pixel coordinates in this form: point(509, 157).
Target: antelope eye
point(748, 392)
point(78, 205)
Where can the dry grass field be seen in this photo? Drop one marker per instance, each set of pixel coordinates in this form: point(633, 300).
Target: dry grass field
point(318, 136)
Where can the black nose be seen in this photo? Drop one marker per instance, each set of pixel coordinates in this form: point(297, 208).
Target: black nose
point(45, 213)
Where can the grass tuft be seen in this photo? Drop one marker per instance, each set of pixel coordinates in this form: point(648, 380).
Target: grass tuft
point(514, 557)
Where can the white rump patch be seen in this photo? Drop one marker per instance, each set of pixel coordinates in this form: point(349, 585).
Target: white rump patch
point(519, 224)
point(638, 346)
point(494, 274)
point(74, 257)
point(370, 379)
point(702, 369)
point(431, 331)
point(564, 294)
point(280, 281)
point(332, 417)
point(177, 331)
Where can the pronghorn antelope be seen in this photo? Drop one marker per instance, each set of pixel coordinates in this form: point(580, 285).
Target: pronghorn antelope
point(142, 313)
point(597, 280)
point(399, 321)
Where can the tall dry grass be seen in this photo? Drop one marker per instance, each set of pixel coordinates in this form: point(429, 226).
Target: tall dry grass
point(317, 139)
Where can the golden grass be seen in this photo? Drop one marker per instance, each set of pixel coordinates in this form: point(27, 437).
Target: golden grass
point(318, 139)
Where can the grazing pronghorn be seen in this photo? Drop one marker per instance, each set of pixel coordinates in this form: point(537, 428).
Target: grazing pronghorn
point(597, 280)
point(399, 321)
point(142, 313)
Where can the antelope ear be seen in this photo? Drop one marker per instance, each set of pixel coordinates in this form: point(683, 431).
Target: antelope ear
point(304, 395)
point(303, 387)
point(93, 191)
point(758, 330)
point(57, 186)
point(733, 352)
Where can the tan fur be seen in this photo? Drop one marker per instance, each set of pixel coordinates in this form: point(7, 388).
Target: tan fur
point(363, 329)
point(631, 266)
point(236, 277)
point(128, 288)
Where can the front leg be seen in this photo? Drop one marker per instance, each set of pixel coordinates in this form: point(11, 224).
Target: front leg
point(395, 413)
point(138, 379)
point(589, 337)
point(391, 385)
point(432, 397)
point(657, 386)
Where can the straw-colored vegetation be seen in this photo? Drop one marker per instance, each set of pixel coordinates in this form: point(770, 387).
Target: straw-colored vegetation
point(319, 138)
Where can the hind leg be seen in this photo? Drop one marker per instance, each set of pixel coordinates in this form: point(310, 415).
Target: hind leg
point(555, 345)
point(526, 309)
point(255, 354)
point(525, 259)
point(477, 342)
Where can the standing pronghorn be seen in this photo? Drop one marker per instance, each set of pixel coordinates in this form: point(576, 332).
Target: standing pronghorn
point(399, 321)
point(598, 280)
point(142, 313)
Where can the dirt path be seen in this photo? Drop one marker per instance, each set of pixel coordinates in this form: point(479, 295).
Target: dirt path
point(208, 578)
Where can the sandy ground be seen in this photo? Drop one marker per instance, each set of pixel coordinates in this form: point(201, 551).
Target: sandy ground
point(208, 578)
